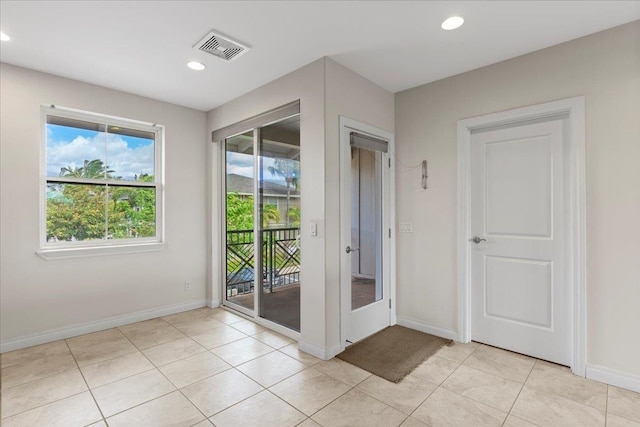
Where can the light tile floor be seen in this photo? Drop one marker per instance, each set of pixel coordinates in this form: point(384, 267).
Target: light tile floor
point(210, 367)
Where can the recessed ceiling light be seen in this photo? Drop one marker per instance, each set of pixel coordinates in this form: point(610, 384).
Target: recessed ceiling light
point(4, 37)
point(452, 23)
point(195, 65)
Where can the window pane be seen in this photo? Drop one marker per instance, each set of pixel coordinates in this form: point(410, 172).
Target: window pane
point(75, 212)
point(240, 248)
point(131, 213)
point(130, 154)
point(75, 149)
point(101, 181)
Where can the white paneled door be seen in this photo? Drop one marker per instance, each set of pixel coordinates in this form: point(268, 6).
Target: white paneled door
point(519, 298)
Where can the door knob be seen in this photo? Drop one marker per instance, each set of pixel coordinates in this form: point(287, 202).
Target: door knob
point(349, 249)
point(477, 240)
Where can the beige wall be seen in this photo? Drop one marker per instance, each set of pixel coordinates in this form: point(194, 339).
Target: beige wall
point(326, 90)
point(305, 84)
point(605, 68)
point(37, 296)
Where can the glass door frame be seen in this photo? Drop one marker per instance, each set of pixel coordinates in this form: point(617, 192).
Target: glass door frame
point(254, 314)
point(222, 205)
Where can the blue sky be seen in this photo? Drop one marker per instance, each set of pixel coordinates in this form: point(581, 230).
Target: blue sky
point(127, 156)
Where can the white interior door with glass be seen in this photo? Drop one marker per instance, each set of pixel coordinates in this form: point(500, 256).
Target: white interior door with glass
point(519, 297)
point(365, 217)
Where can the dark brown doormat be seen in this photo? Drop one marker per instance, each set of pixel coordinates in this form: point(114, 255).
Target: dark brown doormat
point(393, 352)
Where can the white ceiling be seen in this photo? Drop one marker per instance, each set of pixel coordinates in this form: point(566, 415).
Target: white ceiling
point(142, 47)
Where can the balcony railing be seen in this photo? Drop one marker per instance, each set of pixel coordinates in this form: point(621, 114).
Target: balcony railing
point(280, 259)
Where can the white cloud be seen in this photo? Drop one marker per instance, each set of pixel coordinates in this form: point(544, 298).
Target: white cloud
point(242, 164)
point(126, 161)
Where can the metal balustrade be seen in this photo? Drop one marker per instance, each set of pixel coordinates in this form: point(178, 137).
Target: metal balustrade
point(280, 259)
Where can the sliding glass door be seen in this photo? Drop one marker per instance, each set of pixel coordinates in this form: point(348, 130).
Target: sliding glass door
point(262, 222)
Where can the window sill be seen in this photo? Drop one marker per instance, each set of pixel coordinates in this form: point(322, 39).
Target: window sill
point(50, 254)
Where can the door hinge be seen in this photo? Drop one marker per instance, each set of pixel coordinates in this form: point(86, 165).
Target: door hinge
point(389, 303)
point(389, 233)
point(389, 162)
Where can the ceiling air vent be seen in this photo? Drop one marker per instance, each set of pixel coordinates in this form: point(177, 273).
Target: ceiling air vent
point(221, 46)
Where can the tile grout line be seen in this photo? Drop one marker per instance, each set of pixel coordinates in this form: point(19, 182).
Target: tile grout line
point(288, 404)
point(443, 381)
point(406, 416)
point(151, 400)
point(177, 360)
point(555, 395)
point(40, 406)
point(330, 402)
point(438, 386)
point(154, 368)
point(355, 387)
point(415, 409)
point(183, 395)
point(509, 351)
point(240, 401)
point(180, 389)
point(231, 367)
point(86, 383)
point(606, 407)
point(519, 392)
point(66, 397)
point(37, 379)
point(155, 345)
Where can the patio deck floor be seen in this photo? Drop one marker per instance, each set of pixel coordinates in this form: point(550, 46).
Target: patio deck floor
point(282, 306)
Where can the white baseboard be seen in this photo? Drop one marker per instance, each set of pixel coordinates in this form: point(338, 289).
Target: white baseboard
point(213, 302)
point(423, 327)
point(613, 377)
point(96, 325)
point(332, 352)
point(321, 353)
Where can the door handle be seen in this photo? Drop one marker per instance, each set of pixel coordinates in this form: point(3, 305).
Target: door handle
point(477, 240)
point(349, 249)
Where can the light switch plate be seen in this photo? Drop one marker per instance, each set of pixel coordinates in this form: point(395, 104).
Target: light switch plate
point(406, 227)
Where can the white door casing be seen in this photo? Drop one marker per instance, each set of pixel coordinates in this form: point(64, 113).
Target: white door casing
point(510, 263)
point(358, 324)
point(518, 291)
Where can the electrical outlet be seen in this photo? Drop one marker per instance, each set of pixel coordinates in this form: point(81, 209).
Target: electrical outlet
point(187, 286)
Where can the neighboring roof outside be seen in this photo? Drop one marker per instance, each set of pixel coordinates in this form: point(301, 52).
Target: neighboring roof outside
point(244, 185)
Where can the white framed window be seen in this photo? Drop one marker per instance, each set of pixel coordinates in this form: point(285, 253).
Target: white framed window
point(102, 184)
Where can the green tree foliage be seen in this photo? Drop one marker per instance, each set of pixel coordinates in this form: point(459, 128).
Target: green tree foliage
point(132, 212)
point(239, 212)
point(294, 217)
point(76, 212)
point(270, 215)
point(90, 169)
point(85, 212)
